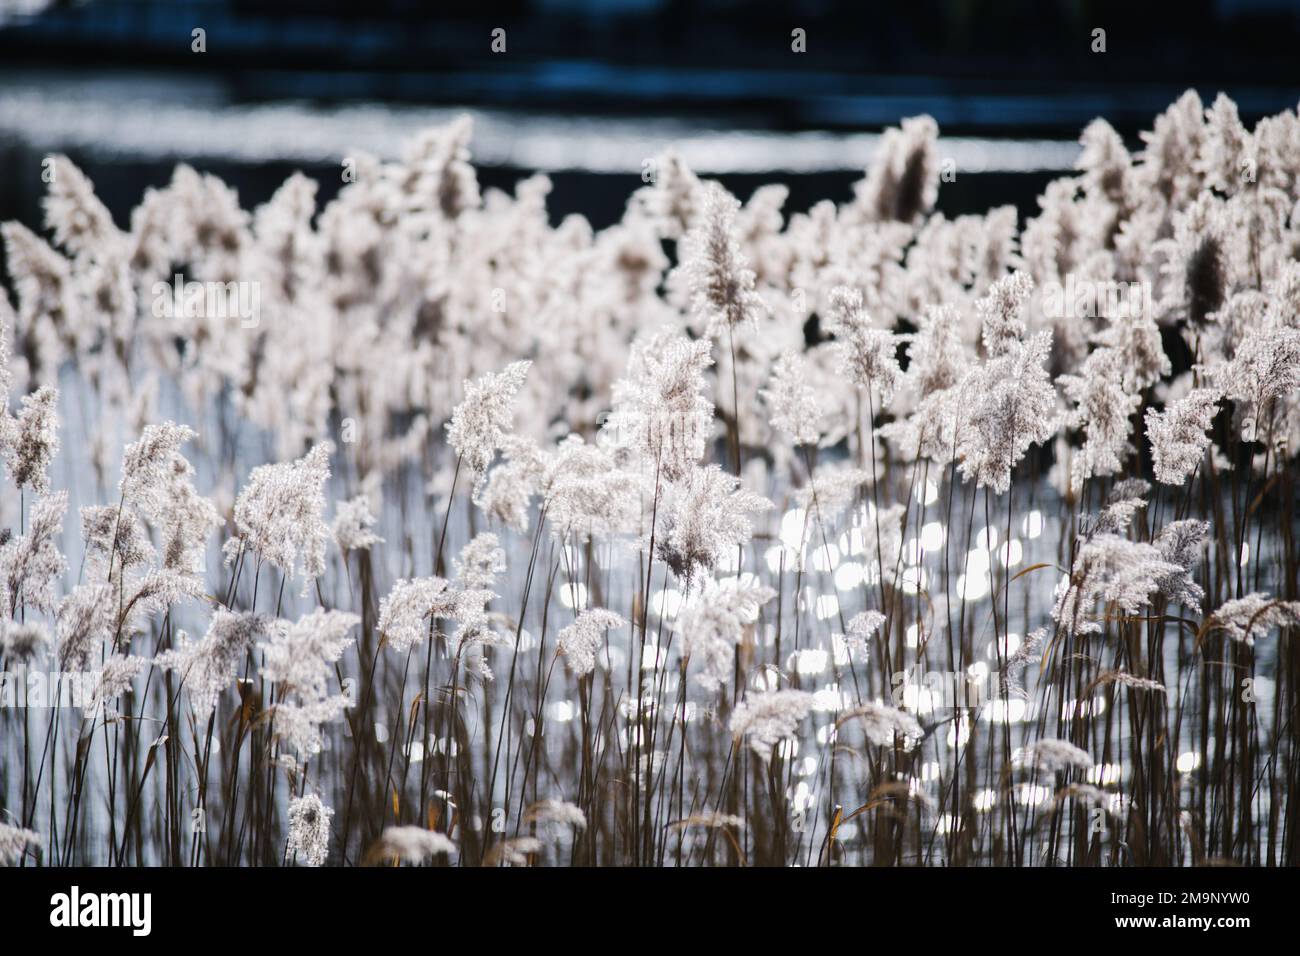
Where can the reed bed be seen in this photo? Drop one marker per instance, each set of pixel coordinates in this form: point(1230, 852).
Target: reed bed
point(417, 529)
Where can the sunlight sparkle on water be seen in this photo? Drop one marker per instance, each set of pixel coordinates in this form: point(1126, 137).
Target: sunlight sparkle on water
point(1106, 774)
point(927, 494)
point(573, 595)
point(1005, 711)
point(1010, 644)
point(793, 526)
point(803, 799)
point(972, 587)
point(828, 606)
point(810, 661)
point(913, 580)
point(667, 602)
point(1088, 708)
point(652, 656)
point(959, 732)
point(830, 700)
point(825, 557)
point(848, 576)
point(932, 536)
point(562, 711)
point(1188, 761)
point(1030, 794)
point(853, 541)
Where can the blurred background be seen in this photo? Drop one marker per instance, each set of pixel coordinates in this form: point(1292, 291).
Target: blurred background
point(587, 89)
